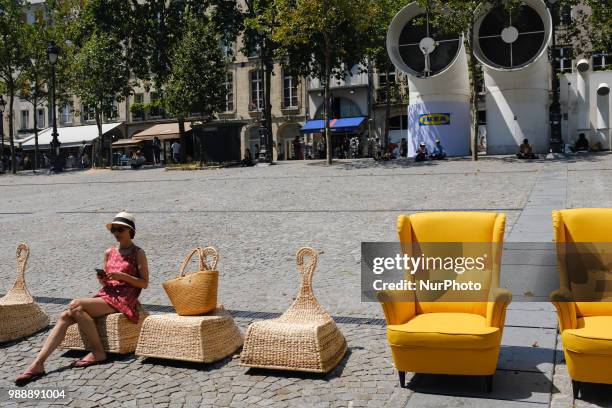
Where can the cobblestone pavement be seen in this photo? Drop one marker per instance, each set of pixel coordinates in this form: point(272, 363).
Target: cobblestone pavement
point(258, 218)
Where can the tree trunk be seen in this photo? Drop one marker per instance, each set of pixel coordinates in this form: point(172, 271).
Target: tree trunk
point(35, 167)
point(267, 101)
point(183, 137)
point(11, 128)
point(326, 104)
point(99, 126)
point(387, 110)
point(473, 96)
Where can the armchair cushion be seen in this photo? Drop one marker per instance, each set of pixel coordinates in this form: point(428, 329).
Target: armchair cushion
point(445, 330)
point(593, 335)
point(566, 309)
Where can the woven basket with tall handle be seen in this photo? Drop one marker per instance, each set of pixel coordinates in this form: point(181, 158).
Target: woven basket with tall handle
point(20, 315)
point(304, 338)
point(195, 293)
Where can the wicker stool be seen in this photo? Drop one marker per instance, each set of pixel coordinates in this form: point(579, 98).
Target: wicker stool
point(304, 338)
point(20, 315)
point(201, 339)
point(118, 334)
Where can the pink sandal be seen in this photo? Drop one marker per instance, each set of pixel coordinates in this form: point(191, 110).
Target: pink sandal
point(27, 377)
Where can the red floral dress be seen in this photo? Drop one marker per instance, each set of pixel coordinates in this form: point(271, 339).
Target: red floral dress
point(121, 295)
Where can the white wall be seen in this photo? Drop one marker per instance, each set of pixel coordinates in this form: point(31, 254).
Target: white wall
point(597, 113)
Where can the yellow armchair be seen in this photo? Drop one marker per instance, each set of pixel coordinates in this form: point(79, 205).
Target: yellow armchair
point(461, 338)
point(586, 327)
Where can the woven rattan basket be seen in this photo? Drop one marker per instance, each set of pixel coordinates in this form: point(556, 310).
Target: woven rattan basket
point(201, 339)
point(304, 338)
point(117, 333)
point(195, 294)
point(20, 315)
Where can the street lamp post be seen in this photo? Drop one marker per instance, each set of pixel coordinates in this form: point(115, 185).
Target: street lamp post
point(264, 155)
point(556, 142)
point(2, 106)
point(52, 54)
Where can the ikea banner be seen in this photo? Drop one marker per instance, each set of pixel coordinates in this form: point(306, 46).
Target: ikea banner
point(448, 121)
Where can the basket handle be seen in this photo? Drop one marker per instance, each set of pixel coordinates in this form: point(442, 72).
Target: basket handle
point(306, 270)
point(188, 258)
point(23, 253)
point(203, 253)
point(213, 254)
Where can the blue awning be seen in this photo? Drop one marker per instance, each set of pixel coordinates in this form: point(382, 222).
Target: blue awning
point(343, 125)
point(313, 126)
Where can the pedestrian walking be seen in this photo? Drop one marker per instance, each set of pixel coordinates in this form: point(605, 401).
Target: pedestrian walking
point(176, 151)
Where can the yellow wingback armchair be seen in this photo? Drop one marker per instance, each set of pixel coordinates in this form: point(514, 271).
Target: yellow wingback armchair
point(461, 338)
point(585, 326)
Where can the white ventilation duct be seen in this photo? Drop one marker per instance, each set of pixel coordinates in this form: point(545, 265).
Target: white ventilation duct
point(582, 95)
point(603, 115)
point(512, 46)
point(438, 81)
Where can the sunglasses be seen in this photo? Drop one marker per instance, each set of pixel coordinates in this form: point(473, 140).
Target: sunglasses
point(117, 229)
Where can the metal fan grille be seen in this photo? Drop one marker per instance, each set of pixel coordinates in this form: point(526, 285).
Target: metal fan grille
point(511, 39)
point(424, 49)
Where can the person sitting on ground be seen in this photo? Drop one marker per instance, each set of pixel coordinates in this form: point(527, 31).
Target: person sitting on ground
point(138, 160)
point(421, 153)
point(438, 152)
point(125, 273)
point(582, 144)
point(248, 158)
point(526, 151)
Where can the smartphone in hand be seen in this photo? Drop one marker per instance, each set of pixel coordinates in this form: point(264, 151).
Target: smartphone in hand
point(101, 274)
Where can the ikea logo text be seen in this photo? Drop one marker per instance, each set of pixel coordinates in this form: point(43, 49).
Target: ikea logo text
point(432, 119)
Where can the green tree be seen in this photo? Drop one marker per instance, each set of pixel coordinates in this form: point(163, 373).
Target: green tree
point(259, 24)
point(381, 13)
point(12, 58)
point(590, 28)
point(196, 81)
point(321, 39)
point(99, 78)
point(458, 16)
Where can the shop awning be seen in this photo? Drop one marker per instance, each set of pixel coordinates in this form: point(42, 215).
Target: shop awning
point(343, 125)
point(164, 131)
point(71, 136)
point(127, 142)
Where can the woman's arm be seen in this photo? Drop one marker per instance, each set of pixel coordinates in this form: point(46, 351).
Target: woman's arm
point(142, 281)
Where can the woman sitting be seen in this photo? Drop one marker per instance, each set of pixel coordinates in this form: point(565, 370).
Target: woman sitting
point(126, 274)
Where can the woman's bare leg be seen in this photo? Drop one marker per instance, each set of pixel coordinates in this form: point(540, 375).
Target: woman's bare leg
point(78, 308)
point(53, 340)
point(84, 311)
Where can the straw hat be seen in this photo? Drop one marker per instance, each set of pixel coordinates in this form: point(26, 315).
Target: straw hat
point(123, 218)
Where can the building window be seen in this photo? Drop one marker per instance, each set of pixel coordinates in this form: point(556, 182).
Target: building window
point(290, 92)
point(112, 113)
point(602, 61)
point(383, 80)
point(156, 109)
point(229, 92)
point(398, 122)
point(138, 114)
point(88, 113)
point(257, 94)
point(40, 119)
point(66, 114)
point(563, 59)
point(227, 48)
point(25, 119)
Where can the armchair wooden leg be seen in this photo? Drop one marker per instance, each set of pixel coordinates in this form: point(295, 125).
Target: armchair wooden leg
point(489, 383)
point(576, 389)
point(402, 378)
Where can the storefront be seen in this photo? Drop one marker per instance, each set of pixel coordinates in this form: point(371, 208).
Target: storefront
point(346, 133)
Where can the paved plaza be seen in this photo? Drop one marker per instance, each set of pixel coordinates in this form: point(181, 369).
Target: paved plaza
point(258, 218)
